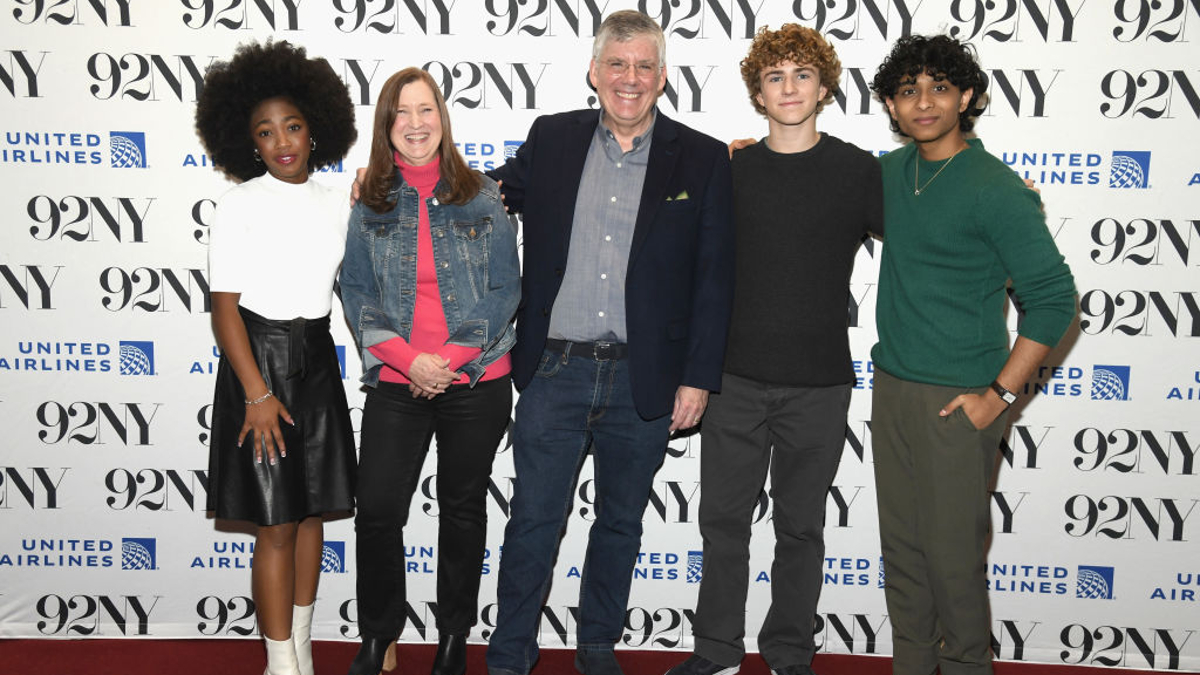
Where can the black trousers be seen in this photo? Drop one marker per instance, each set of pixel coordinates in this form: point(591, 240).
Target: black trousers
point(396, 430)
point(796, 434)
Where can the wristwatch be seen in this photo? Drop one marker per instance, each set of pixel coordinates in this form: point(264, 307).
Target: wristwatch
point(1005, 395)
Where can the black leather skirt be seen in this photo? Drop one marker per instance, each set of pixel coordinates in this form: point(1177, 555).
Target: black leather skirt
point(298, 361)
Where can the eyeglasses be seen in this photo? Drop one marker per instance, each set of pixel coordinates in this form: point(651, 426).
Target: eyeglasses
point(642, 69)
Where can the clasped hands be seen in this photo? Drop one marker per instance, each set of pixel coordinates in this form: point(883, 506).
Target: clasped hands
point(430, 375)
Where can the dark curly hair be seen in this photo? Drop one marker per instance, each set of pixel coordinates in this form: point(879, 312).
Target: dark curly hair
point(795, 43)
point(940, 57)
point(258, 72)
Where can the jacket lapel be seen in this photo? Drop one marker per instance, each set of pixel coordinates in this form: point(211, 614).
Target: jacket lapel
point(574, 155)
point(664, 154)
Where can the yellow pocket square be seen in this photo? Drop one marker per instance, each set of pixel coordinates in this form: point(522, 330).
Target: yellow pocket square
point(679, 197)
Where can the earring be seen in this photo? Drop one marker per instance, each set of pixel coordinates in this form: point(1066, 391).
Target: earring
point(312, 143)
point(257, 157)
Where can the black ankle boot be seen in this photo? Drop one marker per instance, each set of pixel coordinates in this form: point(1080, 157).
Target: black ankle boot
point(451, 656)
point(369, 660)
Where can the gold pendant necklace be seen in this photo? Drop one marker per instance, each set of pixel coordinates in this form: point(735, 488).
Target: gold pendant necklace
point(917, 188)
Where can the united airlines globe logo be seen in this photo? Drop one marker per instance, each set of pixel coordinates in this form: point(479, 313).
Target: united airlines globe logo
point(127, 149)
point(333, 557)
point(1094, 583)
point(1129, 170)
point(136, 358)
point(137, 554)
point(1110, 383)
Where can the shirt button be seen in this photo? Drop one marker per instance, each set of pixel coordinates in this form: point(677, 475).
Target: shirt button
point(450, 297)
point(441, 234)
point(608, 237)
point(600, 314)
point(603, 276)
point(434, 201)
point(445, 265)
point(618, 165)
point(613, 199)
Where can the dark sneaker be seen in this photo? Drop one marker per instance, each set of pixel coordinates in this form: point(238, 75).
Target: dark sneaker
point(698, 665)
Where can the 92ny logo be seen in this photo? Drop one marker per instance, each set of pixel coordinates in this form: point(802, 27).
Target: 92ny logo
point(1015, 20)
point(156, 489)
point(242, 14)
point(77, 218)
point(95, 615)
point(1161, 21)
point(1116, 517)
point(149, 289)
point(1145, 241)
point(97, 423)
point(226, 616)
point(73, 12)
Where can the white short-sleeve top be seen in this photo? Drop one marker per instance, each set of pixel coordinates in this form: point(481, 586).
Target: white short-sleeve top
point(279, 245)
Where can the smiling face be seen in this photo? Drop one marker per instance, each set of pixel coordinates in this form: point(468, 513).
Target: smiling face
point(927, 109)
point(628, 78)
point(282, 139)
point(417, 131)
point(790, 94)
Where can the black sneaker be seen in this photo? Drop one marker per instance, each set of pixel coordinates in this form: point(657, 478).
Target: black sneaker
point(698, 665)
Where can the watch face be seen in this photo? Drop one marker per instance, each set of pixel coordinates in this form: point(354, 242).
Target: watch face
point(1009, 397)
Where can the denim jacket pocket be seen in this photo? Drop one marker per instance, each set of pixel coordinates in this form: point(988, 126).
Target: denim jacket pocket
point(471, 239)
point(384, 235)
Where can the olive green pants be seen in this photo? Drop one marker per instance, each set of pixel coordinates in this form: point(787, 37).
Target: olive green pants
point(932, 476)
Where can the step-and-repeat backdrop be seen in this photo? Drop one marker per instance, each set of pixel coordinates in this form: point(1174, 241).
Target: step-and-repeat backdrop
point(107, 359)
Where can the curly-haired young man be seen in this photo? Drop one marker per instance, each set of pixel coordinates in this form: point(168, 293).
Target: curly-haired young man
point(960, 226)
point(803, 201)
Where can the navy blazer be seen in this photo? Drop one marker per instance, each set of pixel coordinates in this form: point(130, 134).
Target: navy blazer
point(679, 282)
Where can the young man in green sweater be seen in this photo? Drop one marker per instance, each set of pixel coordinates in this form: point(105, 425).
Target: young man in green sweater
point(960, 224)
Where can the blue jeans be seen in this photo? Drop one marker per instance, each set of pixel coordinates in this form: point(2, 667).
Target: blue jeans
point(572, 403)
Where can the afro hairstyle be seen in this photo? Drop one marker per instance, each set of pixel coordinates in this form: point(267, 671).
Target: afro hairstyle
point(800, 45)
point(938, 56)
point(258, 72)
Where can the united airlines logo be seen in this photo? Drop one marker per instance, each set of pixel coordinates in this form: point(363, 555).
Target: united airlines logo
point(333, 557)
point(128, 149)
point(510, 148)
point(136, 358)
point(1094, 583)
point(1110, 383)
point(138, 554)
point(1130, 169)
point(695, 566)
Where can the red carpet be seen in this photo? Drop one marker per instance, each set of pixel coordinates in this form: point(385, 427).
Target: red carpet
point(246, 657)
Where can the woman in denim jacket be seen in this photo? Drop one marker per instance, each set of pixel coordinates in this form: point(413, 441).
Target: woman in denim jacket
point(430, 284)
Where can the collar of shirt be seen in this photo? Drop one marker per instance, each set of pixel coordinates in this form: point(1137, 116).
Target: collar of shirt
point(612, 147)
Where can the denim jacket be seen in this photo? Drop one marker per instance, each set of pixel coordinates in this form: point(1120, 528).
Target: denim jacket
point(478, 273)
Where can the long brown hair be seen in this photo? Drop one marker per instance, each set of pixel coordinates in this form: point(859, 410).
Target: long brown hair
point(459, 182)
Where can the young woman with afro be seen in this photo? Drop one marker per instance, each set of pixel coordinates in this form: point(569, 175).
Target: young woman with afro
point(282, 452)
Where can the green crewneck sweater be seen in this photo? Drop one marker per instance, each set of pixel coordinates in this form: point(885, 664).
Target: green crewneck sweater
point(947, 256)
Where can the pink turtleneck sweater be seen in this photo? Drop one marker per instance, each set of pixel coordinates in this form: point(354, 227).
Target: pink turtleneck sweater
point(429, 333)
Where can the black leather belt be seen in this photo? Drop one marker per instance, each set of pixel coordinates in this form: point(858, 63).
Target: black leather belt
point(601, 351)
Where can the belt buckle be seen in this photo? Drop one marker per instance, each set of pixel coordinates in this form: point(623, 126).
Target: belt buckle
point(602, 351)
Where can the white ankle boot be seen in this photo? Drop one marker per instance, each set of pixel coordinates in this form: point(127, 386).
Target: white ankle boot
point(302, 636)
point(281, 657)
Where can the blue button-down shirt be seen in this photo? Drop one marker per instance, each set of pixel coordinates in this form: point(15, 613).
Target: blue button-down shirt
point(591, 302)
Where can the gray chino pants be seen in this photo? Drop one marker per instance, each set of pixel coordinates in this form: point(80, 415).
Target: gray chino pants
point(932, 476)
